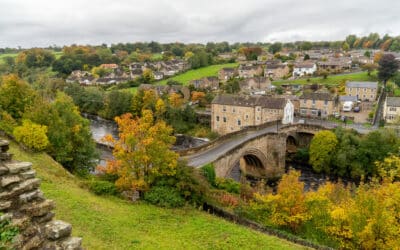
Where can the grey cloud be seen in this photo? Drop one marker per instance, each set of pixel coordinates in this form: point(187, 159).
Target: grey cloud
point(46, 22)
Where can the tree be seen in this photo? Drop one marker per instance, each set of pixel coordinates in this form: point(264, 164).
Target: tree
point(15, 95)
point(306, 46)
point(367, 54)
point(175, 100)
point(148, 75)
point(117, 103)
point(345, 46)
point(71, 142)
point(142, 154)
point(275, 47)
point(32, 135)
point(321, 149)
point(100, 71)
point(377, 56)
point(388, 67)
point(306, 57)
point(396, 79)
point(232, 86)
point(369, 67)
point(198, 96)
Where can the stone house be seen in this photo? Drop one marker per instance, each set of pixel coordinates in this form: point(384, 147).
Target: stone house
point(335, 64)
point(161, 90)
point(276, 70)
point(391, 109)
point(109, 66)
point(246, 71)
point(304, 68)
point(365, 91)
point(317, 104)
point(158, 75)
point(225, 74)
point(210, 82)
point(81, 77)
point(230, 113)
point(259, 83)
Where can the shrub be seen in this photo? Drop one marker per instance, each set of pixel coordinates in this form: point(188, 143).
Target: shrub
point(32, 135)
point(7, 123)
point(225, 199)
point(208, 172)
point(229, 185)
point(102, 187)
point(164, 196)
point(7, 234)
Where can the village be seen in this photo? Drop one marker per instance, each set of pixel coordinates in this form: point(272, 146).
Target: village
point(246, 95)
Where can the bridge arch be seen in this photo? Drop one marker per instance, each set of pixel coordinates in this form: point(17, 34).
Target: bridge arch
point(252, 162)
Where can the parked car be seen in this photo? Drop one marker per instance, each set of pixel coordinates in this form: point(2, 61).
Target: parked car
point(357, 109)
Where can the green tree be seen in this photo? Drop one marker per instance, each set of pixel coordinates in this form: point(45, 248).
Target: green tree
point(15, 95)
point(117, 103)
point(388, 67)
point(322, 148)
point(148, 75)
point(275, 47)
point(369, 67)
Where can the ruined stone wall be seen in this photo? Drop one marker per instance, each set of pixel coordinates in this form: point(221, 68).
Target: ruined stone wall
point(22, 202)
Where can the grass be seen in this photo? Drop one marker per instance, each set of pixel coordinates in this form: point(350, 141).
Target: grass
point(332, 79)
point(193, 74)
point(112, 223)
point(14, 55)
point(397, 92)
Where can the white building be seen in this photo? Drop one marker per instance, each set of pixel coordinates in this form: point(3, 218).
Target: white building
point(304, 68)
point(391, 109)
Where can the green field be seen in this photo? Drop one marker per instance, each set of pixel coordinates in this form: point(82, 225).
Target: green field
point(2, 56)
point(332, 79)
point(194, 74)
point(112, 223)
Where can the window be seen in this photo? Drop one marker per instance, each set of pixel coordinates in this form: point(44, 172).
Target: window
point(326, 102)
point(314, 112)
point(305, 101)
point(239, 123)
point(247, 117)
point(372, 96)
point(217, 118)
point(392, 108)
point(258, 118)
point(224, 108)
point(233, 110)
point(313, 101)
point(224, 119)
point(303, 111)
point(258, 109)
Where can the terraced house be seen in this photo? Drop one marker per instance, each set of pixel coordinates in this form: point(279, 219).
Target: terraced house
point(365, 91)
point(391, 111)
point(230, 113)
point(317, 104)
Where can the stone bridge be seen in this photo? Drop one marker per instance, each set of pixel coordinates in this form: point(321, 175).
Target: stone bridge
point(257, 153)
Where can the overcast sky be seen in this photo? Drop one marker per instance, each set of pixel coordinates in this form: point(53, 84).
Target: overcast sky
point(30, 23)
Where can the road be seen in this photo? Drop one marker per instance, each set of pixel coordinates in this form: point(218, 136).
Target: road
point(202, 158)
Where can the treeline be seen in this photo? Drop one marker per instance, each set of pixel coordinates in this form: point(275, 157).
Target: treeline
point(345, 153)
point(47, 119)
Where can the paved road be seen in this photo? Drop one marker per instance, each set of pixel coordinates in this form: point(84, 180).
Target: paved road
point(210, 155)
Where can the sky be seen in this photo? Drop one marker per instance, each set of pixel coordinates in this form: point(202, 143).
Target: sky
point(40, 23)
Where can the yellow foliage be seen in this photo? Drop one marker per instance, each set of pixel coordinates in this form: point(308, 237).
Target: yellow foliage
point(32, 135)
point(175, 100)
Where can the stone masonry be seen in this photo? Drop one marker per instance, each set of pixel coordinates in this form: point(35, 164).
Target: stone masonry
point(22, 202)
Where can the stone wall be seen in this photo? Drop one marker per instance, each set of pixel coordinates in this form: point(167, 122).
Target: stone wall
point(22, 202)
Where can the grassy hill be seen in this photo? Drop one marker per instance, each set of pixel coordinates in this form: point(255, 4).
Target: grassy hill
point(193, 74)
point(112, 223)
point(332, 79)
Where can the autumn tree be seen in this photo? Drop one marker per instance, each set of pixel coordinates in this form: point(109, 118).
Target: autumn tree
point(275, 47)
point(142, 152)
point(15, 95)
point(287, 207)
point(321, 149)
point(148, 75)
point(369, 67)
point(175, 100)
point(198, 96)
point(388, 67)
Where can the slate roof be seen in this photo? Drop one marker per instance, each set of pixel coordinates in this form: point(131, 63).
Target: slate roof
point(250, 101)
point(393, 101)
point(317, 96)
point(370, 85)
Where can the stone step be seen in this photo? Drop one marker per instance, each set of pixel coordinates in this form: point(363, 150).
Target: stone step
point(58, 229)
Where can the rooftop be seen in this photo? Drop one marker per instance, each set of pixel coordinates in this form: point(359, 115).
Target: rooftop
point(250, 101)
point(371, 85)
point(393, 101)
